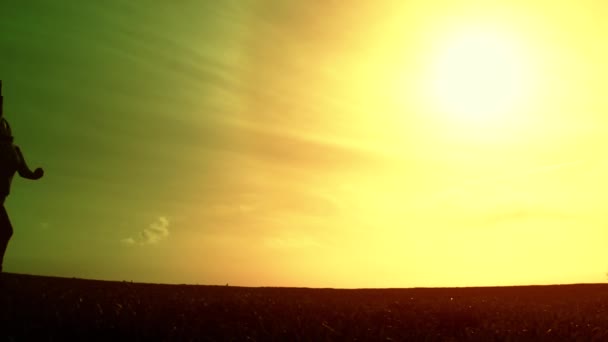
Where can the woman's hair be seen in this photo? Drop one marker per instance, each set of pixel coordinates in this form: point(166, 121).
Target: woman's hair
point(5, 131)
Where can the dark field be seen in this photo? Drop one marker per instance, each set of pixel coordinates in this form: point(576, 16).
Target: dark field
point(46, 308)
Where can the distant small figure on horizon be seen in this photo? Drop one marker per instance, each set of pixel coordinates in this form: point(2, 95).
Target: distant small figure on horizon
point(11, 161)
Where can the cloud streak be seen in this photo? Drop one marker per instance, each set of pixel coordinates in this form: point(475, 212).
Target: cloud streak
point(291, 242)
point(156, 232)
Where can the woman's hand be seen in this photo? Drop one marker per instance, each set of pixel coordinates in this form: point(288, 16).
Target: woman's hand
point(38, 173)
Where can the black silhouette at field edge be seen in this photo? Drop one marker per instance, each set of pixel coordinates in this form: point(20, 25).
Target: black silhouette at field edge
point(11, 161)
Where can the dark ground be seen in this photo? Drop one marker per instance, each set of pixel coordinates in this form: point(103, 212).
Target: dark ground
point(57, 309)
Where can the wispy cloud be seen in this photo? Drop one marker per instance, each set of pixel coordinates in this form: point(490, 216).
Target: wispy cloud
point(156, 232)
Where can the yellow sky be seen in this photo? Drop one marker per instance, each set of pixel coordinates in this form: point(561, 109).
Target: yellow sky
point(312, 143)
point(379, 179)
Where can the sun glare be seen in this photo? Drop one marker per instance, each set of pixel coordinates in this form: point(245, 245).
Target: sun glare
point(479, 76)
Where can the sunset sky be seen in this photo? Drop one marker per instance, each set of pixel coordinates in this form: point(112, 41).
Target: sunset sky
point(310, 143)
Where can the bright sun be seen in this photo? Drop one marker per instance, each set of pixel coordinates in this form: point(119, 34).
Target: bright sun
point(479, 76)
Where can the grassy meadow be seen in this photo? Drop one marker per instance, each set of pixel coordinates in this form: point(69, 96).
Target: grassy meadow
point(54, 309)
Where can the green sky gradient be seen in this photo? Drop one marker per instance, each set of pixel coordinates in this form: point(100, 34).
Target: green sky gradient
point(122, 105)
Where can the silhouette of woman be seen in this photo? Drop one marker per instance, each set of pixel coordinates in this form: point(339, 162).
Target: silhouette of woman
point(11, 161)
